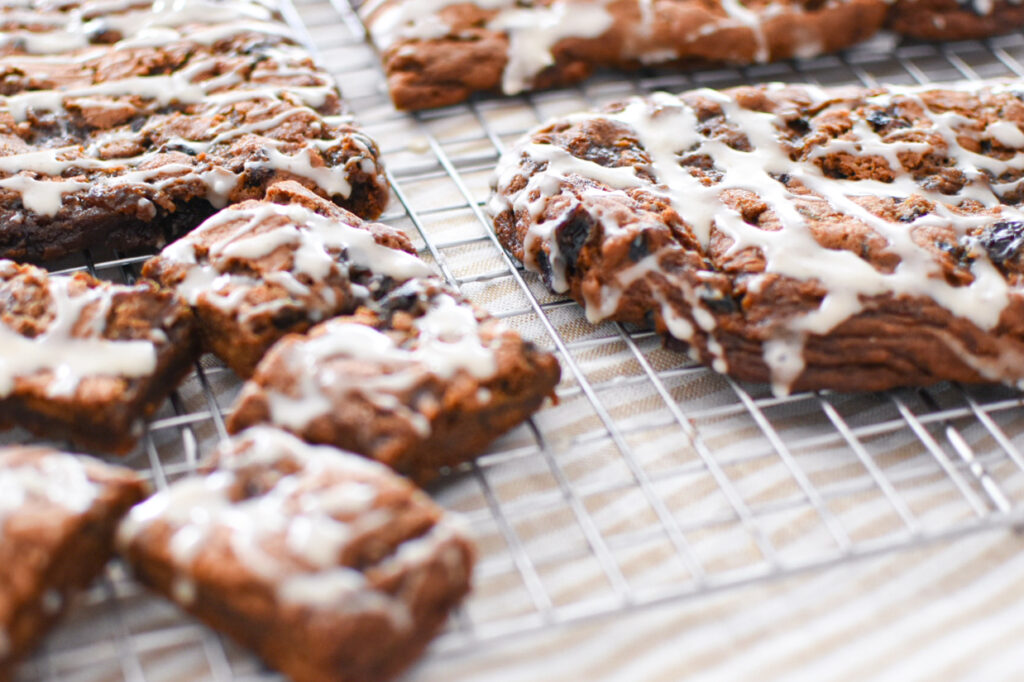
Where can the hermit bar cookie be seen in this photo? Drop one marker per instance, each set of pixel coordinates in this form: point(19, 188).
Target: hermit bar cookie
point(127, 126)
point(83, 359)
point(261, 269)
point(329, 566)
point(439, 52)
point(420, 382)
point(848, 239)
point(58, 514)
point(955, 19)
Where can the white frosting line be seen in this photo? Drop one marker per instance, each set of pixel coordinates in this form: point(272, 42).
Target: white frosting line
point(55, 478)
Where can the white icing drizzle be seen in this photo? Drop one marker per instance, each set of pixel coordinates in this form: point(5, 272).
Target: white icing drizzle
point(667, 128)
point(72, 347)
point(293, 535)
point(534, 29)
point(447, 342)
point(318, 245)
point(54, 479)
point(157, 24)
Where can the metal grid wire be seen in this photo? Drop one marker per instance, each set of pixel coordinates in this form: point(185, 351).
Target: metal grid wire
point(653, 479)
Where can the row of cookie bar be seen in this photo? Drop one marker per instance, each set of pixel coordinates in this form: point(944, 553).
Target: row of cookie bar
point(439, 52)
point(127, 123)
point(368, 350)
point(399, 367)
point(328, 565)
point(838, 238)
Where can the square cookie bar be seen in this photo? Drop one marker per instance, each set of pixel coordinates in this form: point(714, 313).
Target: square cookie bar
point(83, 359)
point(58, 516)
point(421, 381)
point(127, 125)
point(261, 269)
point(327, 565)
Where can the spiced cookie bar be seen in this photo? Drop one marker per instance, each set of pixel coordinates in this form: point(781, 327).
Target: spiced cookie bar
point(955, 19)
point(419, 381)
point(840, 238)
point(438, 53)
point(261, 269)
point(83, 359)
point(329, 566)
point(58, 514)
point(128, 126)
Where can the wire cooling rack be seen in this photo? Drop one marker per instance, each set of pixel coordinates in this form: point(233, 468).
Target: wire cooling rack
point(653, 479)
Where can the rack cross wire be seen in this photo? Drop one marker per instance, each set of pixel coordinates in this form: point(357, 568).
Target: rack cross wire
point(653, 479)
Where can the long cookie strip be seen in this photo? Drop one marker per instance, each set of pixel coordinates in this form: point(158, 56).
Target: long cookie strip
point(128, 128)
point(58, 514)
point(327, 565)
point(848, 239)
point(955, 19)
point(438, 53)
point(424, 382)
point(83, 359)
point(261, 269)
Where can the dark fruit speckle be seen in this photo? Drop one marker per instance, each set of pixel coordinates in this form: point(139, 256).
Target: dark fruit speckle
point(1003, 240)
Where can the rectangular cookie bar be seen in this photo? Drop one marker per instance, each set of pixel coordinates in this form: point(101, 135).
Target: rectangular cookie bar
point(327, 565)
point(58, 516)
point(126, 126)
point(439, 53)
point(261, 269)
point(420, 381)
point(84, 359)
point(816, 238)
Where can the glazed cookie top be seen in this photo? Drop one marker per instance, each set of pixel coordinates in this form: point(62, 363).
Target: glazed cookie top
point(61, 332)
point(258, 256)
point(199, 97)
point(325, 529)
point(419, 332)
point(902, 191)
